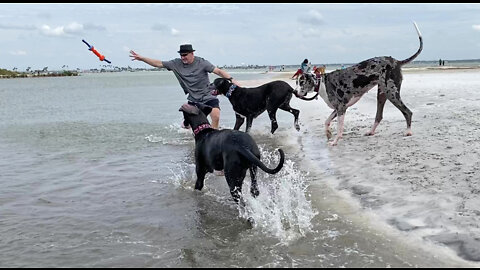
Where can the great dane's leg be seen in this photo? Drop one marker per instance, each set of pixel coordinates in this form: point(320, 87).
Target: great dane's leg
point(340, 125)
point(406, 113)
point(295, 112)
point(249, 124)
point(381, 99)
point(239, 121)
point(329, 120)
point(393, 94)
point(253, 175)
point(201, 171)
point(272, 113)
point(234, 177)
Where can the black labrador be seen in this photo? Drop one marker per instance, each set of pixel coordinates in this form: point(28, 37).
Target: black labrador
point(251, 102)
point(229, 150)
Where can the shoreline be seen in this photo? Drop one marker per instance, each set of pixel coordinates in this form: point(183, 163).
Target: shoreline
point(419, 187)
point(17, 76)
point(285, 74)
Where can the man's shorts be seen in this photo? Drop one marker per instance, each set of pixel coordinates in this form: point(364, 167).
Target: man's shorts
point(214, 103)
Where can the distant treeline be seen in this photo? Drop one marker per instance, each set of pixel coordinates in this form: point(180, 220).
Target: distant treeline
point(4, 73)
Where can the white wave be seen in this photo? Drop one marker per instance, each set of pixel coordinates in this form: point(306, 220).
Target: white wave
point(282, 209)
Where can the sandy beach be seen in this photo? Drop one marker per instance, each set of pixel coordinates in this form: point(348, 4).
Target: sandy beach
point(424, 186)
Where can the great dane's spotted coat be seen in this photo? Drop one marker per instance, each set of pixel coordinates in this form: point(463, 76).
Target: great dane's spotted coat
point(341, 89)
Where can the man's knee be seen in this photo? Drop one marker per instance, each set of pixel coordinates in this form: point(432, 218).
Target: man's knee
point(215, 115)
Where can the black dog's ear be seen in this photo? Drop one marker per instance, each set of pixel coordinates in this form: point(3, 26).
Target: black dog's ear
point(190, 109)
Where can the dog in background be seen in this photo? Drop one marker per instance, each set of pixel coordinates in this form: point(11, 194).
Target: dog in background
point(251, 102)
point(341, 89)
point(229, 150)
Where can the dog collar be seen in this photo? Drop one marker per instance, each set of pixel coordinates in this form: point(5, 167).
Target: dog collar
point(319, 81)
point(230, 90)
point(200, 128)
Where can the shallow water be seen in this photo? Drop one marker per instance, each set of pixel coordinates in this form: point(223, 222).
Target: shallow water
point(95, 171)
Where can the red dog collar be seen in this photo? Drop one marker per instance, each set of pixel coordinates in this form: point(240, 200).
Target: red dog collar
point(200, 128)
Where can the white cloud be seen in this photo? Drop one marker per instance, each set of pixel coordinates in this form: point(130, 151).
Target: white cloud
point(310, 32)
point(70, 29)
point(74, 28)
point(48, 31)
point(165, 29)
point(476, 27)
point(313, 17)
point(19, 52)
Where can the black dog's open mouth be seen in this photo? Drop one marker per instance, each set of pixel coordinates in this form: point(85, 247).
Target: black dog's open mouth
point(213, 89)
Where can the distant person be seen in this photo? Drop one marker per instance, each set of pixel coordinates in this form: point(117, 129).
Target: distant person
point(443, 62)
point(192, 74)
point(322, 69)
point(303, 68)
point(440, 62)
point(319, 71)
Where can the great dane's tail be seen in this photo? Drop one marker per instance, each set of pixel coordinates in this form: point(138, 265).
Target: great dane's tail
point(403, 62)
point(250, 156)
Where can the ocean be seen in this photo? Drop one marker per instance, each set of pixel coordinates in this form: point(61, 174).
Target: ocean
point(95, 171)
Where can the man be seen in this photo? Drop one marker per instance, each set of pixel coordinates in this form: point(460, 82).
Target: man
point(192, 74)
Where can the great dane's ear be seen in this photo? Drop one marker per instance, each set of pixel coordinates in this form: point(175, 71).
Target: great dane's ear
point(190, 109)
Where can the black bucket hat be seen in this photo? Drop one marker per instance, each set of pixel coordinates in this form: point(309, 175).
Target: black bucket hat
point(186, 48)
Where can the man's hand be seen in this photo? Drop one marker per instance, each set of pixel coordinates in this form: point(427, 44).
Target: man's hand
point(235, 82)
point(135, 56)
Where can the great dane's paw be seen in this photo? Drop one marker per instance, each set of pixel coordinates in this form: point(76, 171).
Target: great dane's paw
point(254, 191)
point(297, 127)
point(335, 141)
point(369, 133)
point(274, 127)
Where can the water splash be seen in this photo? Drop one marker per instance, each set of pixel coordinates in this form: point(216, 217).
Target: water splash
point(282, 209)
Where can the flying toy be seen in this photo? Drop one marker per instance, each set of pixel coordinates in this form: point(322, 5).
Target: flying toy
point(100, 56)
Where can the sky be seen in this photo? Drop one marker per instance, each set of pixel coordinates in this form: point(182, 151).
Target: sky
point(50, 35)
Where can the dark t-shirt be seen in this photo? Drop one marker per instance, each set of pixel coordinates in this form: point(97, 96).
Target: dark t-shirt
point(193, 77)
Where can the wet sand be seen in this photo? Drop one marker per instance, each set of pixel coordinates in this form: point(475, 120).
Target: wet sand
point(424, 187)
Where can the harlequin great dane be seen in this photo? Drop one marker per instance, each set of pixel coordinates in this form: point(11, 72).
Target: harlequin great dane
point(341, 89)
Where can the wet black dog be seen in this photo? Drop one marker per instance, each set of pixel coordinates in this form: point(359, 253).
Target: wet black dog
point(251, 102)
point(229, 150)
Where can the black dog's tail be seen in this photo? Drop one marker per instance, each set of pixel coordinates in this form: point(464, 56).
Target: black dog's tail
point(419, 50)
point(250, 156)
point(304, 98)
